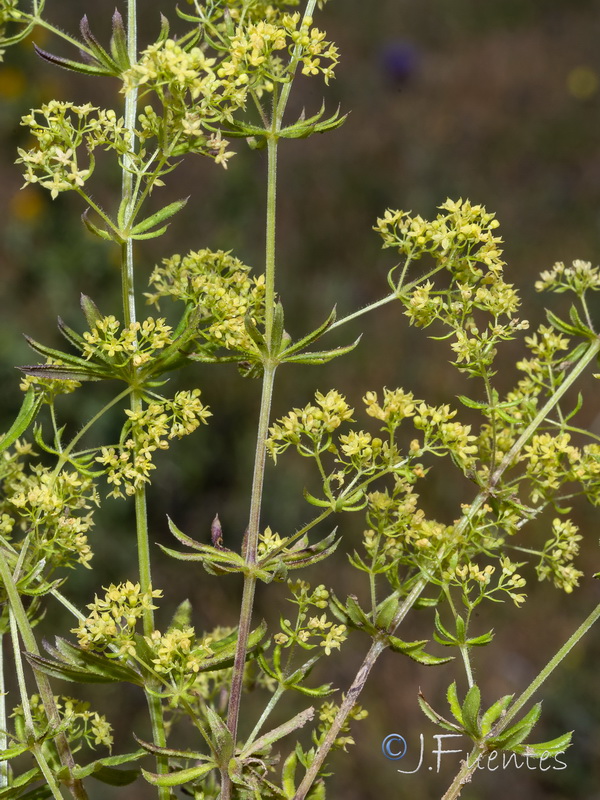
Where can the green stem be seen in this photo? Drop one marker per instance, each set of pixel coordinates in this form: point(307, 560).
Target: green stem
point(387, 299)
point(365, 310)
point(3, 720)
point(287, 87)
point(29, 726)
point(251, 539)
point(270, 238)
point(358, 684)
point(549, 668)
point(43, 684)
point(129, 317)
point(250, 548)
point(266, 713)
point(36, 747)
point(470, 765)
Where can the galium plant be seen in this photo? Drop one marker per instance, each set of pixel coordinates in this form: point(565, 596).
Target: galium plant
point(229, 76)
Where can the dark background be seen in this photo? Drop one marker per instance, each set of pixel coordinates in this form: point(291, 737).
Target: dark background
point(495, 101)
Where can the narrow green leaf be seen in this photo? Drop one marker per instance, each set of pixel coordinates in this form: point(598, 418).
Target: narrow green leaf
point(267, 739)
point(105, 766)
point(311, 337)
point(494, 713)
point(288, 776)
point(160, 216)
point(73, 66)
point(470, 711)
point(29, 408)
point(99, 52)
point(101, 233)
point(277, 331)
point(57, 373)
point(223, 741)
point(433, 715)
point(452, 697)
point(118, 42)
point(551, 748)
point(518, 732)
point(358, 616)
point(560, 324)
point(91, 311)
point(323, 356)
point(179, 777)
point(182, 616)
point(20, 782)
point(386, 611)
point(151, 234)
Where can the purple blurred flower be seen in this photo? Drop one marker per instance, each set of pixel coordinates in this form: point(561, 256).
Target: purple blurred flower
point(399, 61)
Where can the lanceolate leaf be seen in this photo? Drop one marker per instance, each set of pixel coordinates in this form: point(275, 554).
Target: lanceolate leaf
point(159, 217)
point(544, 749)
point(470, 711)
point(30, 407)
point(179, 777)
point(494, 713)
point(273, 736)
point(57, 373)
point(19, 783)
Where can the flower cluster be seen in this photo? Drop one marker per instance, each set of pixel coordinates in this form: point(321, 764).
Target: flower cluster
point(444, 435)
point(81, 723)
point(53, 508)
point(113, 618)
point(310, 631)
point(578, 278)
point(462, 235)
point(134, 344)
point(475, 582)
point(327, 715)
point(550, 462)
point(62, 130)
point(463, 243)
point(399, 532)
point(129, 465)
point(177, 652)
point(254, 51)
point(557, 555)
point(396, 406)
point(315, 422)
point(193, 99)
point(221, 288)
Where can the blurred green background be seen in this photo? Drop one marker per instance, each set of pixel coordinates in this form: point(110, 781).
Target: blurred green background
point(495, 101)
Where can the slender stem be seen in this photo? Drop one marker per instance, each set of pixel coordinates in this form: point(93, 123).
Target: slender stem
point(43, 684)
point(3, 720)
point(387, 299)
point(14, 635)
point(464, 775)
point(377, 647)
point(287, 87)
point(470, 765)
point(29, 726)
point(129, 317)
point(251, 546)
point(270, 238)
point(550, 667)
point(364, 310)
point(266, 713)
